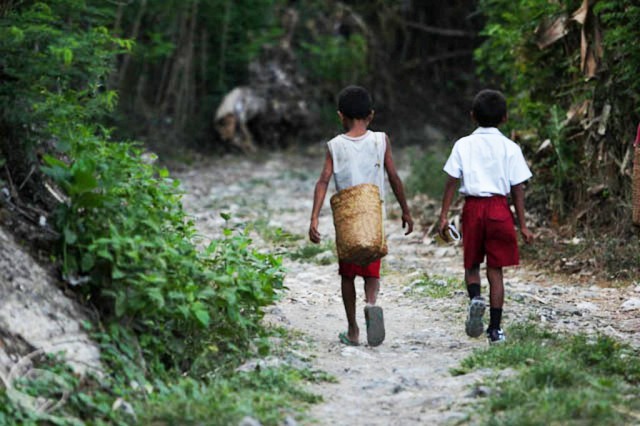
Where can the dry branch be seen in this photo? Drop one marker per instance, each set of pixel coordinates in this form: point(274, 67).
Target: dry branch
point(447, 32)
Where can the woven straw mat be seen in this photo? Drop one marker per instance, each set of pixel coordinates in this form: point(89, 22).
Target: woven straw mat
point(358, 219)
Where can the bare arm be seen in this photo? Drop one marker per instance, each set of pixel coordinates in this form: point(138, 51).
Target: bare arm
point(318, 197)
point(449, 192)
point(398, 189)
point(517, 193)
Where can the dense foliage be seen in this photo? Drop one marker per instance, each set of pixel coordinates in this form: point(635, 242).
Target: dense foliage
point(578, 90)
point(187, 56)
point(167, 307)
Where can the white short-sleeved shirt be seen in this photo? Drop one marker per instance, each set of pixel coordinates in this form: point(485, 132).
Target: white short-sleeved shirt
point(358, 160)
point(488, 163)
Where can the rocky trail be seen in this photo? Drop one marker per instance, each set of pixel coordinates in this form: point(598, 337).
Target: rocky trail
point(407, 379)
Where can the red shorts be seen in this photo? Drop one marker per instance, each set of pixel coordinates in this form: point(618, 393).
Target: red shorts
point(488, 229)
point(351, 270)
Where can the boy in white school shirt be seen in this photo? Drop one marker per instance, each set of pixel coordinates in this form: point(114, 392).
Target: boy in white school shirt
point(489, 167)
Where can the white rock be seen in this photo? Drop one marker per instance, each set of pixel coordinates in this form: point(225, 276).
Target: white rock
point(587, 306)
point(249, 421)
point(353, 352)
point(631, 304)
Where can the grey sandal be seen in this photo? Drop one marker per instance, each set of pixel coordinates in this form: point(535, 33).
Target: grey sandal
point(375, 324)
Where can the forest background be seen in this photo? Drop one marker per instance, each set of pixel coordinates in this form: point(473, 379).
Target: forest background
point(80, 79)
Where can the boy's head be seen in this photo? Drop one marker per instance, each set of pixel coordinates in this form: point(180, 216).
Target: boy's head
point(354, 102)
point(489, 108)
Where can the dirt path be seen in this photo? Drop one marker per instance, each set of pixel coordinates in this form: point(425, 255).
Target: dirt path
point(406, 380)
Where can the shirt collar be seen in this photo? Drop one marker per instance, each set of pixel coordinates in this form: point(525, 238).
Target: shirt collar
point(487, 131)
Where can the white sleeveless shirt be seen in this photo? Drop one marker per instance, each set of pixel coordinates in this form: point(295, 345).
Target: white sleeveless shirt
point(358, 160)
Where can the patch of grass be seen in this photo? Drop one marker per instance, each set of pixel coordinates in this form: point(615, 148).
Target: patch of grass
point(310, 252)
point(562, 379)
point(268, 395)
point(220, 395)
point(435, 286)
point(274, 234)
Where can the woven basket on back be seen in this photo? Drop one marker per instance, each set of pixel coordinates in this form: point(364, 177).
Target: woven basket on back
point(358, 219)
point(636, 187)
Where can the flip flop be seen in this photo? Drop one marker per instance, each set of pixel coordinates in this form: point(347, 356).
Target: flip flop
point(375, 324)
point(345, 339)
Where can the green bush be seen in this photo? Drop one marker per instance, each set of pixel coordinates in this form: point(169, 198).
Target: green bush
point(543, 84)
point(122, 226)
point(336, 61)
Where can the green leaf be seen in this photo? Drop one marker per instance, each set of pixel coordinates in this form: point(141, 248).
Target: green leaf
point(83, 181)
point(70, 237)
point(202, 316)
point(88, 261)
point(53, 161)
point(155, 294)
point(67, 55)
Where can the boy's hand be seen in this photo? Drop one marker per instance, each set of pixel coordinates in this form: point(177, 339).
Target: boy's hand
point(442, 228)
point(527, 235)
point(314, 235)
point(408, 222)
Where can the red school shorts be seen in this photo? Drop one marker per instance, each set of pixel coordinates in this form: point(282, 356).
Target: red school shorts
point(351, 270)
point(488, 229)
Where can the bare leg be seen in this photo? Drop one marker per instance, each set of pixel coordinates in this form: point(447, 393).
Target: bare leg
point(371, 289)
point(349, 299)
point(472, 275)
point(496, 287)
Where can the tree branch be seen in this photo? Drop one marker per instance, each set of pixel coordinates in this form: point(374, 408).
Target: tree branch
point(447, 32)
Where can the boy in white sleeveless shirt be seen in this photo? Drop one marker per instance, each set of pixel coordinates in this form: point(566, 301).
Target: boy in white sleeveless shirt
point(353, 158)
point(489, 166)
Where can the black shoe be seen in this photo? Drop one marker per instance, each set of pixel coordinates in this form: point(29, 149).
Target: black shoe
point(496, 335)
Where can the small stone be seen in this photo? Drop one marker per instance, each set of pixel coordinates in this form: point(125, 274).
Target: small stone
point(249, 421)
point(587, 306)
point(631, 304)
point(290, 421)
point(122, 405)
point(352, 352)
point(480, 391)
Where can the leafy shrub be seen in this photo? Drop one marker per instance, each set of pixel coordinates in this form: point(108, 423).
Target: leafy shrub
point(622, 21)
point(337, 60)
point(125, 228)
point(542, 84)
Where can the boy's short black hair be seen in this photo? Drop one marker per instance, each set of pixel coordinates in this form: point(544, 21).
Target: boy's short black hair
point(355, 102)
point(489, 108)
